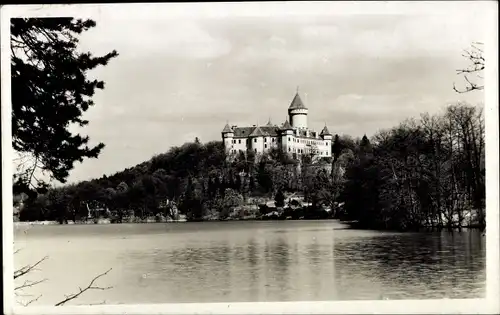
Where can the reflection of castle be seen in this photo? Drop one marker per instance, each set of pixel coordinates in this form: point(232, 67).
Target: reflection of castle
point(292, 136)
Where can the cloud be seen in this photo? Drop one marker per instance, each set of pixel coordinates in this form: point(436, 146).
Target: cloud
point(395, 35)
point(179, 79)
point(137, 38)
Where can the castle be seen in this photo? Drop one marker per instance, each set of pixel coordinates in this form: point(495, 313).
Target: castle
point(293, 136)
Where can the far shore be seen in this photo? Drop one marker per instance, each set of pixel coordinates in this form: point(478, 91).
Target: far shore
point(349, 224)
point(91, 221)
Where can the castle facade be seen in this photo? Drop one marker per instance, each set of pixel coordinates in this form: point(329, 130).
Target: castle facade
point(292, 137)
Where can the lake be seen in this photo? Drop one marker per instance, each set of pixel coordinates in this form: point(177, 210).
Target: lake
point(250, 261)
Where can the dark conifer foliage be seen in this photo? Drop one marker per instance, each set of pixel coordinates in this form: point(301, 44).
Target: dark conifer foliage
point(50, 92)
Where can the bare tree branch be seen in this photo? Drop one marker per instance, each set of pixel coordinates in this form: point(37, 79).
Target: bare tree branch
point(475, 57)
point(24, 270)
point(89, 287)
point(29, 283)
point(30, 301)
point(33, 171)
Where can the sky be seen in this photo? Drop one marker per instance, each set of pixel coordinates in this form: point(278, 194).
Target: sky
point(183, 71)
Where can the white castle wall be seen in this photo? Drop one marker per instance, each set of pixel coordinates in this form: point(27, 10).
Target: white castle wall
point(289, 142)
point(298, 118)
point(302, 145)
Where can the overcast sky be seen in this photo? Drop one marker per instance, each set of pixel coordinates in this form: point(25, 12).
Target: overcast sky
point(181, 76)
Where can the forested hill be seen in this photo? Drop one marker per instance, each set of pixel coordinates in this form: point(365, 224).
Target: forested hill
point(190, 159)
point(424, 172)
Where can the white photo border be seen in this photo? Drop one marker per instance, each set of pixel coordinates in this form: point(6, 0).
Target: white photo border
point(485, 9)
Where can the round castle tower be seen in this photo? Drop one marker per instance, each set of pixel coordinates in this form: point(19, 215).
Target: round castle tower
point(227, 135)
point(297, 113)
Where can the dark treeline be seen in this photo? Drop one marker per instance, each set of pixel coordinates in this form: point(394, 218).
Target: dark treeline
point(424, 172)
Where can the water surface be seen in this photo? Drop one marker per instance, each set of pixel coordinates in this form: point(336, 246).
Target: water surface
point(250, 261)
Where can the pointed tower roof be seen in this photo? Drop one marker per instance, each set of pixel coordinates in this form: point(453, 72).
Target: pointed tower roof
point(325, 132)
point(297, 103)
point(227, 129)
point(286, 126)
point(269, 123)
point(257, 132)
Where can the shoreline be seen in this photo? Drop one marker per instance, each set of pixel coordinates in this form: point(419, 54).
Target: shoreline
point(349, 224)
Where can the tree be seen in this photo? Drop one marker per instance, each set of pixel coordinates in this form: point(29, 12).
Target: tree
point(224, 204)
point(476, 67)
point(336, 148)
point(191, 201)
point(279, 199)
point(420, 173)
point(50, 92)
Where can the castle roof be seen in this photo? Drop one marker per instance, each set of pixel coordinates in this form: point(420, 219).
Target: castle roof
point(325, 132)
point(257, 132)
point(269, 123)
point(297, 103)
point(286, 126)
point(244, 132)
point(270, 130)
point(227, 129)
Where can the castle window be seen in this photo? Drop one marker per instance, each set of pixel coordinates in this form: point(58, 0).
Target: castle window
point(265, 146)
point(326, 143)
point(273, 140)
point(255, 140)
point(288, 138)
point(239, 141)
point(289, 149)
point(265, 139)
point(255, 150)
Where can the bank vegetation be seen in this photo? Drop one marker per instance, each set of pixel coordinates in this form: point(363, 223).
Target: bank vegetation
point(425, 172)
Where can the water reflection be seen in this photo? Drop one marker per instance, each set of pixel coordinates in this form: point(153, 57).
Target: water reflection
point(306, 261)
point(432, 265)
